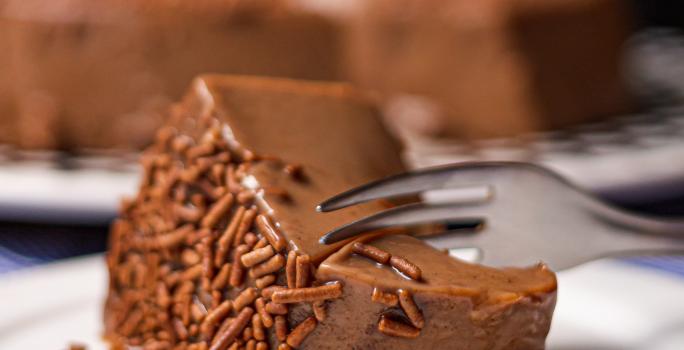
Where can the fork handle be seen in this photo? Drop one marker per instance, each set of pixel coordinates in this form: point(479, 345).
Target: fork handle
point(639, 223)
point(633, 243)
point(633, 233)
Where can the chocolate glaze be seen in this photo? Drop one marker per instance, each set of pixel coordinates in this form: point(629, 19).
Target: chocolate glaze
point(451, 322)
point(331, 132)
point(441, 273)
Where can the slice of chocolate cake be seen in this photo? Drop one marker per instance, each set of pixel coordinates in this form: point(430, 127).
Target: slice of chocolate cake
point(497, 68)
point(97, 74)
point(219, 250)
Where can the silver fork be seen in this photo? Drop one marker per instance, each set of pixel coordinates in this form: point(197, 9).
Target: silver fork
point(527, 214)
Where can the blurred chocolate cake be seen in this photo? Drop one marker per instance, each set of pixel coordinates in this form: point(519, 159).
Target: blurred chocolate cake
point(84, 74)
point(496, 68)
point(97, 74)
point(219, 250)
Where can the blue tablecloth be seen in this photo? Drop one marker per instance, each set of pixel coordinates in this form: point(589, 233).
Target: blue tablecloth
point(672, 264)
point(23, 245)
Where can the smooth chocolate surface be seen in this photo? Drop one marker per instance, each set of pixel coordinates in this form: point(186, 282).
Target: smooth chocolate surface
point(441, 273)
point(328, 130)
point(465, 306)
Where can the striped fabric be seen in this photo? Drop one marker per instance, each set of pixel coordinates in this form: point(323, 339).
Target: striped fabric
point(672, 264)
point(10, 261)
point(24, 245)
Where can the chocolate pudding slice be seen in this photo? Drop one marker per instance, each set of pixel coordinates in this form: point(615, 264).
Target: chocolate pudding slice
point(219, 249)
point(496, 68)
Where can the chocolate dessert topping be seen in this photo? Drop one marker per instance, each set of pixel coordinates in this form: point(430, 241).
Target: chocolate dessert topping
point(233, 330)
point(406, 267)
point(266, 318)
point(221, 279)
point(265, 281)
point(258, 328)
point(271, 265)
point(246, 221)
point(214, 317)
point(257, 256)
point(276, 308)
point(217, 211)
point(226, 239)
point(303, 267)
point(270, 232)
point(205, 274)
point(297, 336)
point(397, 329)
point(268, 291)
point(411, 309)
point(291, 269)
point(300, 295)
point(387, 299)
point(281, 328)
point(237, 272)
point(246, 297)
point(379, 255)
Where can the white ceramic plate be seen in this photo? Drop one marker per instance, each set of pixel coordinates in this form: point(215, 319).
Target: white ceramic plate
point(39, 191)
point(602, 305)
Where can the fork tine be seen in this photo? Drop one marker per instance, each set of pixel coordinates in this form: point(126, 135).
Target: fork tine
point(468, 174)
point(410, 214)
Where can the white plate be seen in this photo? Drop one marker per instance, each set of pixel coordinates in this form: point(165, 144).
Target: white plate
point(40, 191)
point(602, 305)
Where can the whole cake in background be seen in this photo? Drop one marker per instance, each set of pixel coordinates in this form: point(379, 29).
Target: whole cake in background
point(219, 249)
point(98, 74)
point(493, 68)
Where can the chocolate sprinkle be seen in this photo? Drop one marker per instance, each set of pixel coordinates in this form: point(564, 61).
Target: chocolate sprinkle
point(194, 264)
